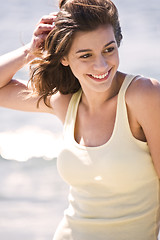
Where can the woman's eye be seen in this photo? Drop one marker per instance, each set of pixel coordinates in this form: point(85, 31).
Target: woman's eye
point(109, 50)
point(85, 56)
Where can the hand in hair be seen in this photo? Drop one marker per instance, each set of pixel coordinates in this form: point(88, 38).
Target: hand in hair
point(43, 27)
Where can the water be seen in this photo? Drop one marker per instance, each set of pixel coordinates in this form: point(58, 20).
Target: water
point(139, 54)
point(32, 195)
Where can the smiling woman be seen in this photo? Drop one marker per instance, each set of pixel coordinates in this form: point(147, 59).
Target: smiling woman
point(98, 62)
point(110, 155)
point(59, 42)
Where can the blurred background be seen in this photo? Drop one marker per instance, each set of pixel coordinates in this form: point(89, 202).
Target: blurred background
point(32, 195)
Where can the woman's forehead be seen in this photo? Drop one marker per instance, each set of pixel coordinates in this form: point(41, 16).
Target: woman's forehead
point(99, 36)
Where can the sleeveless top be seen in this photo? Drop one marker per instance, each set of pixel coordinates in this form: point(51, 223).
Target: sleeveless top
point(114, 189)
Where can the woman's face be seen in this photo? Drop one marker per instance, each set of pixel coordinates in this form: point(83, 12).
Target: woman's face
point(93, 58)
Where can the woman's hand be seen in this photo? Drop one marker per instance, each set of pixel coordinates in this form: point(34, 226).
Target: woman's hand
point(43, 27)
point(11, 62)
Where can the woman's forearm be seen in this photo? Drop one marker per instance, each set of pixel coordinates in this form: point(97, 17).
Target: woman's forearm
point(11, 62)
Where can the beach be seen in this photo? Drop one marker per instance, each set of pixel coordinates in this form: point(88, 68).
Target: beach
point(32, 194)
point(32, 199)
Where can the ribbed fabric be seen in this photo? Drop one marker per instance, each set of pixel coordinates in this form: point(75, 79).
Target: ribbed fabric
point(114, 189)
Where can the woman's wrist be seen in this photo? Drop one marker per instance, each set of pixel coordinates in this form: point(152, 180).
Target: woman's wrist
point(28, 53)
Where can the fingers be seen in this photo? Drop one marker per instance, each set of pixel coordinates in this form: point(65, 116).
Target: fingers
point(43, 27)
point(45, 24)
point(42, 37)
point(48, 19)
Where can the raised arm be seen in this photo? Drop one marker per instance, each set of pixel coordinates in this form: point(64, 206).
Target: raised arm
point(11, 91)
point(11, 62)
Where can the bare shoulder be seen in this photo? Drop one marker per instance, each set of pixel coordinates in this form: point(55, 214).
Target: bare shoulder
point(143, 100)
point(143, 91)
point(59, 103)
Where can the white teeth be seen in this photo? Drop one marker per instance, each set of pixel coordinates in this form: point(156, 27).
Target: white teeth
point(100, 76)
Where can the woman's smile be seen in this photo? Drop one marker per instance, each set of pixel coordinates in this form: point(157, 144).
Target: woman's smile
point(100, 77)
point(93, 58)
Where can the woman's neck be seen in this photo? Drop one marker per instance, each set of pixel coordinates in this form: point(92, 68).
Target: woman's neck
point(94, 101)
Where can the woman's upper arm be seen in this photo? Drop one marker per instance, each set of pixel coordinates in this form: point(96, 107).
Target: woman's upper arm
point(15, 96)
point(147, 110)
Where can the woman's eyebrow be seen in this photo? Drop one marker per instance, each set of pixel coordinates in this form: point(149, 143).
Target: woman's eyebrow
point(109, 43)
point(84, 50)
point(89, 50)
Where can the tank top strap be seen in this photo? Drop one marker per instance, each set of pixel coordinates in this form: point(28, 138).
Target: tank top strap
point(72, 113)
point(121, 126)
point(122, 123)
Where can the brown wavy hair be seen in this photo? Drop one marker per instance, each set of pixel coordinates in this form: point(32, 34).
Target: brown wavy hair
point(48, 75)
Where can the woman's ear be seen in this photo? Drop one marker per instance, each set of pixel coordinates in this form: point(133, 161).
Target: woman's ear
point(64, 61)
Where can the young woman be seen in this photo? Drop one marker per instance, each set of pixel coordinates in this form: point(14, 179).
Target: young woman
point(111, 154)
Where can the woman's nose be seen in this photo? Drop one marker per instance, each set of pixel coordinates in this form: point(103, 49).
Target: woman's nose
point(100, 64)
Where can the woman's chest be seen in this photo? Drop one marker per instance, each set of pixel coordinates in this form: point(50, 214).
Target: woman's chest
point(97, 129)
point(119, 165)
point(94, 130)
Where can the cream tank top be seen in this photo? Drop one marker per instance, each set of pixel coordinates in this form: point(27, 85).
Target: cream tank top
point(114, 189)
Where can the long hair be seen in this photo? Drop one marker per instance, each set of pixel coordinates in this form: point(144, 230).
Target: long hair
point(48, 75)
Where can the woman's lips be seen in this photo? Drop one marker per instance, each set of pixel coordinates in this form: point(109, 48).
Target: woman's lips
point(100, 77)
